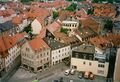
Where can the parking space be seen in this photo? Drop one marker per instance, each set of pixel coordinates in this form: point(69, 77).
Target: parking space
point(75, 78)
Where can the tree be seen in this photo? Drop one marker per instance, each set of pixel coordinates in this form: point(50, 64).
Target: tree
point(28, 28)
point(72, 7)
point(108, 25)
point(64, 30)
point(95, 1)
point(90, 11)
point(117, 1)
point(55, 14)
point(110, 1)
point(25, 1)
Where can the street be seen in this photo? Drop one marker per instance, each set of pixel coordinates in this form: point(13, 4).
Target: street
point(49, 75)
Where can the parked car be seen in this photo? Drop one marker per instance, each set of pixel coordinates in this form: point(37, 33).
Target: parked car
point(80, 75)
point(86, 74)
point(72, 71)
point(91, 76)
point(67, 72)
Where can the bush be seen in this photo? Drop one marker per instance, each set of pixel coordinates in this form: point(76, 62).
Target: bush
point(64, 30)
point(55, 14)
point(72, 7)
point(28, 28)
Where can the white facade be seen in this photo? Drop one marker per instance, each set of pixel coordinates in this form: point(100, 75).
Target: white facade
point(5, 19)
point(59, 54)
point(36, 26)
point(95, 67)
point(13, 53)
point(70, 24)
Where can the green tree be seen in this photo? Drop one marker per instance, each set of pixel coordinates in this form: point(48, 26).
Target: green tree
point(90, 11)
point(117, 1)
point(95, 1)
point(64, 30)
point(55, 14)
point(110, 1)
point(108, 25)
point(25, 1)
point(28, 28)
point(72, 7)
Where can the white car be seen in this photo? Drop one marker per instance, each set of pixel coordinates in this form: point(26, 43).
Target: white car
point(67, 72)
point(72, 71)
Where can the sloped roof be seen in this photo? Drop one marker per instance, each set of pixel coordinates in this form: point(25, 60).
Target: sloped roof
point(38, 43)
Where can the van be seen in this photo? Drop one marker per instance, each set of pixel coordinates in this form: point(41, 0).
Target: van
point(67, 72)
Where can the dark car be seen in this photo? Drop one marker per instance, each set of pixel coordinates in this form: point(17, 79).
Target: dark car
point(61, 79)
point(80, 75)
point(55, 81)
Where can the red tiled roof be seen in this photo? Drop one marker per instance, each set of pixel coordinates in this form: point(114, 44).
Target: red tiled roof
point(18, 36)
point(52, 28)
point(108, 10)
point(17, 19)
point(6, 12)
point(89, 22)
point(55, 4)
point(108, 38)
point(6, 42)
point(38, 43)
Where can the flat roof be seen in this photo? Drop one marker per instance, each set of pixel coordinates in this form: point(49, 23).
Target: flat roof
point(85, 48)
point(53, 44)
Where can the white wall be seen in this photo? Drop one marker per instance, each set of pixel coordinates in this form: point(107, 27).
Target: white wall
point(56, 55)
point(117, 67)
point(86, 67)
point(70, 24)
point(36, 26)
point(13, 53)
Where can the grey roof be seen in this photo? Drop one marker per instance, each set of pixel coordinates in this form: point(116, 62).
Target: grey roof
point(6, 26)
point(85, 48)
point(53, 44)
point(116, 25)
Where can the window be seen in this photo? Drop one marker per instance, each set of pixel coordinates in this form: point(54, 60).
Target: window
point(59, 51)
point(74, 67)
point(90, 63)
point(47, 53)
point(47, 59)
point(39, 68)
point(27, 49)
point(90, 57)
point(101, 65)
point(84, 62)
point(84, 56)
point(41, 55)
